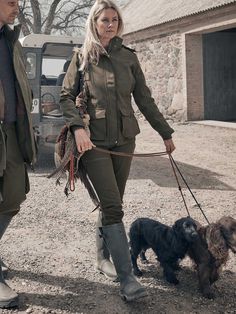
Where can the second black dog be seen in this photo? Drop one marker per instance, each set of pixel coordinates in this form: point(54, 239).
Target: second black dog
point(169, 243)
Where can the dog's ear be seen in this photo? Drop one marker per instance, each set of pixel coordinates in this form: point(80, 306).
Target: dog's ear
point(178, 226)
point(216, 241)
point(228, 229)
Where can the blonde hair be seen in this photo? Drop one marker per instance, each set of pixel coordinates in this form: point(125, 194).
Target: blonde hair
point(92, 47)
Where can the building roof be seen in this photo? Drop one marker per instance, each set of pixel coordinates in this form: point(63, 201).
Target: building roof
point(141, 14)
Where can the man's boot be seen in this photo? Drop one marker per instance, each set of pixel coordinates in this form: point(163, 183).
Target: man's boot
point(8, 298)
point(103, 264)
point(116, 240)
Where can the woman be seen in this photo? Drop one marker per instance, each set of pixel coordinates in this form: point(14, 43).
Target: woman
point(111, 75)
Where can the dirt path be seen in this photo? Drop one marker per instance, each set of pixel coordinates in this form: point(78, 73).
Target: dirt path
point(50, 245)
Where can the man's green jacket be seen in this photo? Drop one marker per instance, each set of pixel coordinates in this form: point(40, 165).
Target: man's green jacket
point(24, 128)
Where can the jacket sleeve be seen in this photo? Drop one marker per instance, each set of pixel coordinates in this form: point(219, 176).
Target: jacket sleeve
point(69, 92)
point(146, 103)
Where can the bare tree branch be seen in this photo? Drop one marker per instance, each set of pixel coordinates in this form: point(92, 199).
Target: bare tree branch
point(24, 22)
point(53, 16)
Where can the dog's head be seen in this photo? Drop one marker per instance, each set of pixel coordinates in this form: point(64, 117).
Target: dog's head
point(186, 228)
point(228, 230)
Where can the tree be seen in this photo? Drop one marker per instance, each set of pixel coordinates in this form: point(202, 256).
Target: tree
point(53, 16)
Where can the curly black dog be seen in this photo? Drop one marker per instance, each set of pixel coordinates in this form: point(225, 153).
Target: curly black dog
point(169, 243)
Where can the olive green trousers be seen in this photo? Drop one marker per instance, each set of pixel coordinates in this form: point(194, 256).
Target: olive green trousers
point(108, 174)
point(14, 183)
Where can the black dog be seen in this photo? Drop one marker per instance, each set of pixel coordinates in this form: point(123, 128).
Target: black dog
point(169, 243)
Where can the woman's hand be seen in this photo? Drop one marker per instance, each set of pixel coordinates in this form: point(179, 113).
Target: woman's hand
point(170, 147)
point(82, 140)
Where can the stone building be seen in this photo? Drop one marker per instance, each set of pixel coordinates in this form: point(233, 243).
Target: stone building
point(187, 50)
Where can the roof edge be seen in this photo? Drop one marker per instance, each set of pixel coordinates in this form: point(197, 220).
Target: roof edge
point(182, 17)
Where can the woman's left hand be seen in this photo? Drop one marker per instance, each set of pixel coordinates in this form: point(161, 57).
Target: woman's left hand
point(169, 144)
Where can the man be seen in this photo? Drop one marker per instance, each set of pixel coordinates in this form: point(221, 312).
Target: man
point(16, 134)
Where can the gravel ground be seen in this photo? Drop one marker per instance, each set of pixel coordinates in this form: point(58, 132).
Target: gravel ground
point(50, 245)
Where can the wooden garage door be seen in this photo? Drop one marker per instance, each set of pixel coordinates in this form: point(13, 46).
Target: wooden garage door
point(219, 62)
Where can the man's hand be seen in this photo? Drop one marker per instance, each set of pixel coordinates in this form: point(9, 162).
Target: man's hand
point(170, 147)
point(82, 140)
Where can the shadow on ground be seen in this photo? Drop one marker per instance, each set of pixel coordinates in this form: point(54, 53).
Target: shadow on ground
point(159, 170)
point(76, 295)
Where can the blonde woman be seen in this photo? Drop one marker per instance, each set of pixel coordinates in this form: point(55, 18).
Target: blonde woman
point(111, 75)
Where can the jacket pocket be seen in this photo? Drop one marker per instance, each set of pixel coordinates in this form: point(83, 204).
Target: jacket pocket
point(100, 113)
point(130, 127)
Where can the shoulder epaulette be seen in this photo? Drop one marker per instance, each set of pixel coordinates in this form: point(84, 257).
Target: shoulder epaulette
point(130, 49)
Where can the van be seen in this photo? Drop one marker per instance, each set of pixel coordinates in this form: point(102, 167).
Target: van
point(47, 59)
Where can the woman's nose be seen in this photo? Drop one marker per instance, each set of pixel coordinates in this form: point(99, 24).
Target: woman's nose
point(110, 24)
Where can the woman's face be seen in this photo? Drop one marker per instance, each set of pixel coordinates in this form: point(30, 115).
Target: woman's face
point(107, 24)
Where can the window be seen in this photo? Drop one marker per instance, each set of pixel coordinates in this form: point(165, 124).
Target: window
point(31, 65)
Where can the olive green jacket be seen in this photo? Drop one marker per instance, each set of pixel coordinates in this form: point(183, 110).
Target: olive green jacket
point(24, 104)
point(109, 87)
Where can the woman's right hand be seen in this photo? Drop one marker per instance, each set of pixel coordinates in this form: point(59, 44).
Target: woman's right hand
point(82, 140)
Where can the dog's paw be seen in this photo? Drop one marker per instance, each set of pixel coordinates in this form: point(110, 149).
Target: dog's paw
point(208, 294)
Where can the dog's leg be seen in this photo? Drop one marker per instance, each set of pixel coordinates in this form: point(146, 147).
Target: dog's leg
point(169, 273)
point(204, 272)
point(176, 266)
point(134, 252)
point(214, 276)
point(143, 257)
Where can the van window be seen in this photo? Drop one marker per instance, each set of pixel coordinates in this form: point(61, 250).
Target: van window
point(30, 65)
point(51, 68)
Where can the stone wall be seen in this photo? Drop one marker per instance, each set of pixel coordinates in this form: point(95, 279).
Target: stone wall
point(161, 61)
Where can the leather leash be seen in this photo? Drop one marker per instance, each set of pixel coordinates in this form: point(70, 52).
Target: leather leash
point(174, 168)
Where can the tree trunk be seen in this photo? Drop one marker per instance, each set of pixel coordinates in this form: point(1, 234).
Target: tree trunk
point(37, 16)
point(51, 16)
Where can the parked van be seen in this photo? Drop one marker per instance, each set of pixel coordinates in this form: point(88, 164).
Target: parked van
point(47, 59)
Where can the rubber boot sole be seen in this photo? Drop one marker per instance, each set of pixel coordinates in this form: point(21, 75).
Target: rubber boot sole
point(9, 303)
point(111, 278)
point(138, 295)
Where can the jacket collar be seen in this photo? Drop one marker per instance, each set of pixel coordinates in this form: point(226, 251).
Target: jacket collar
point(115, 44)
point(12, 34)
point(1, 30)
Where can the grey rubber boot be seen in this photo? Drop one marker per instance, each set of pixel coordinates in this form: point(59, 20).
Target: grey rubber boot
point(103, 264)
point(8, 298)
point(4, 268)
point(115, 237)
